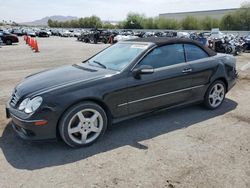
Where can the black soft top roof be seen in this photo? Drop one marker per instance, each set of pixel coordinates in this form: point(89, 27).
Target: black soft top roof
point(161, 41)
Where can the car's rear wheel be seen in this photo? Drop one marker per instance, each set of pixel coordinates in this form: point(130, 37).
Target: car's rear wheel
point(83, 124)
point(86, 40)
point(8, 42)
point(215, 95)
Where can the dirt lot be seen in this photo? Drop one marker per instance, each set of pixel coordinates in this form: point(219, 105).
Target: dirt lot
point(189, 147)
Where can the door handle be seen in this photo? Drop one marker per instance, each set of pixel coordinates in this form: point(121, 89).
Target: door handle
point(188, 70)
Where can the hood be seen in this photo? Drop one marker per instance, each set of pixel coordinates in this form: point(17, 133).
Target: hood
point(11, 35)
point(60, 77)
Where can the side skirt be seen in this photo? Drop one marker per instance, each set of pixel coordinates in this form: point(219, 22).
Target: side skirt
point(118, 120)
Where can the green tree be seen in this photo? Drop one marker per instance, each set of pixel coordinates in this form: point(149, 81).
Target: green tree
point(50, 23)
point(81, 23)
point(243, 16)
point(215, 23)
point(74, 23)
point(107, 25)
point(190, 23)
point(94, 22)
point(120, 25)
point(227, 22)
point(239, 20)
point(149, 23)
point(134, 21)
point(163, 23)
point(208, 23)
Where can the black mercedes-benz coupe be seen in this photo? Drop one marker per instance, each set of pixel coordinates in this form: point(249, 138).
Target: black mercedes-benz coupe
point(78, 102)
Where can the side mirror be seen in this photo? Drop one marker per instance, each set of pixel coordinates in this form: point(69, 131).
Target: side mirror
point(143, 69)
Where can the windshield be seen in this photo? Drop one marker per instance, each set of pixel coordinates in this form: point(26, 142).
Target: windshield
point(6, 32)
point(118, 56)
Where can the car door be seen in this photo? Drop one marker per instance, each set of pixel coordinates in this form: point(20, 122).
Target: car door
point(202, 66)
point(168, 85)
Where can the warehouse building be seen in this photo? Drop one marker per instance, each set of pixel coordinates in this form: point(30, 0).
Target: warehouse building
point(218, 14)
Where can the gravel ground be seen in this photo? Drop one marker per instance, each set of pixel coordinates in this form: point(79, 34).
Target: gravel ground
point(188, 147)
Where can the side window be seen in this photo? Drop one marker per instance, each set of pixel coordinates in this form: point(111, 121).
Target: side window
point(194, 52)
point(165, 56)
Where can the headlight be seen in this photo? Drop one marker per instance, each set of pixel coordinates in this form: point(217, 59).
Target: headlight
point(30, 105)
point(23, 104)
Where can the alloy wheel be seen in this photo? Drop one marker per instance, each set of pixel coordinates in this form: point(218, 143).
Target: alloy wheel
point(216, 95)
point(85, 126)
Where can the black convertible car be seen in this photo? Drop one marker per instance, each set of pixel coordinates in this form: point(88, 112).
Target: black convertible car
point(78, 102)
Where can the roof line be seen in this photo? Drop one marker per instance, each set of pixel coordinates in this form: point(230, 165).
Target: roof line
point(200, 11)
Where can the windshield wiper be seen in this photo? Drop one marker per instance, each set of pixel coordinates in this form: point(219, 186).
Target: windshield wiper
point(98, 63)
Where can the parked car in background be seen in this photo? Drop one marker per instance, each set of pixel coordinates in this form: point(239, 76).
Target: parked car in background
point(17, 32)
point(75, 34)
point(95, 36)
point(82, 36)
point(49, 32)
point(247, 43)
point(130, 78)
point(42, 34)
point(119, 38)
point(31, 33)
point(1, 42)
point(54, 32)
point(65, 33)
point(216, 34)
point(8, 38)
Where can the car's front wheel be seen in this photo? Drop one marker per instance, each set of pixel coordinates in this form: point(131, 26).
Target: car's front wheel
point(83, 124)
point(215, 95)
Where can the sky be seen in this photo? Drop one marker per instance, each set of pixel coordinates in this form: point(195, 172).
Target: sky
point(108, 10)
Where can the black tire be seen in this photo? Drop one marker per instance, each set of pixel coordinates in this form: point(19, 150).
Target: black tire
point(229, 50)
point(244, 48)
point(86, 40)
point(105, 41)
point(72, 112)
point(8, 42)
point(208, 100)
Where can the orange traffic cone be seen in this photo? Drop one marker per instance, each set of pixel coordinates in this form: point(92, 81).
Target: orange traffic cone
point(29, 40)
point(31, 43)
point(111, 40)
point(36, 46)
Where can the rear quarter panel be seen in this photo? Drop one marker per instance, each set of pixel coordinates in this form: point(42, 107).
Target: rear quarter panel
point(206, 71)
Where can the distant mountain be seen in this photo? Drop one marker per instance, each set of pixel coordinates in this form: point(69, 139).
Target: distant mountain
point(44, 21)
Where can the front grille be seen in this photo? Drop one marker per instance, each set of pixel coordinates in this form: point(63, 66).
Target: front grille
point(14, 99)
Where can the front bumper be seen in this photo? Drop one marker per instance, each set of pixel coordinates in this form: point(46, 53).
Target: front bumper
point(27, 128)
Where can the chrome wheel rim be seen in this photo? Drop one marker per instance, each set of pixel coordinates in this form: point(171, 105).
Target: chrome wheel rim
point(85, 126)
point(216, 95)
